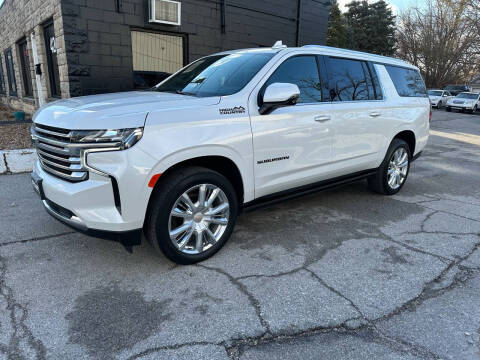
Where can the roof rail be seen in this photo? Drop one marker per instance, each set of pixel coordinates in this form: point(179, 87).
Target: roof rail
point(353, 52)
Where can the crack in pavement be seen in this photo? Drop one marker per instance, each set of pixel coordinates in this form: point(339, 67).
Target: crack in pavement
point(234, 347)
point(448, 212)
point(428, 291)
point(415, 348)
point(417, 250)
point(243, 289)
point(423, 231)
point(153, 350)
point(22, 336)
point(433, 199)
point(7, 168)
point(39, 238)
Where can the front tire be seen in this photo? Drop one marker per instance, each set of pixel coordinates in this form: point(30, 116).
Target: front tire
point(393, 172)
point(192, 214)
point(448, 109)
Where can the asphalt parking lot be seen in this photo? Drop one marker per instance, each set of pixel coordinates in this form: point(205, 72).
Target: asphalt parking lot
point(343, 274)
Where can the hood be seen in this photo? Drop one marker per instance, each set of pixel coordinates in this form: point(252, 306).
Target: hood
point(113, 111)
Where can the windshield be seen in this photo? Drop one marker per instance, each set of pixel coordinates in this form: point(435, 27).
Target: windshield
point(435, 93)
point(216, 75)
point(467, 96)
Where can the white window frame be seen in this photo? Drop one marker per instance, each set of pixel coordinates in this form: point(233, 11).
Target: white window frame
point(152, 13)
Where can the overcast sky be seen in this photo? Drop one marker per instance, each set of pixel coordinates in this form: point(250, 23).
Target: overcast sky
point(397, 5)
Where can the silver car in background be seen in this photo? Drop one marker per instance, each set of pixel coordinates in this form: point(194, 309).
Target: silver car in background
point(438, 98)
point(466, 101)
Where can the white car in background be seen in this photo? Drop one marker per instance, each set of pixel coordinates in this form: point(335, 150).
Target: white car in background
point(466, 101)
point(439, 98)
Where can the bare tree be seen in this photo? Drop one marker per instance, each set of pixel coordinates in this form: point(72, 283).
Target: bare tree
point(443, 40)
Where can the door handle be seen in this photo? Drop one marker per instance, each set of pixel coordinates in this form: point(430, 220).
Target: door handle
point(322, 118)
point(375, 114)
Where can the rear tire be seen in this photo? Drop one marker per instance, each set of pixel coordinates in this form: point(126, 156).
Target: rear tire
point(184, 225)
point(393, 172)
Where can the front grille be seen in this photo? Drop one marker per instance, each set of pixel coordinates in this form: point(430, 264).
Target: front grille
point(57, 154)
point(458, 102)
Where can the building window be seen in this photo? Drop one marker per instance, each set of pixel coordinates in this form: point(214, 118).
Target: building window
point(51, 50)
point(155, 57)
point(25, 63)
point(12, 85)
point(3, 90)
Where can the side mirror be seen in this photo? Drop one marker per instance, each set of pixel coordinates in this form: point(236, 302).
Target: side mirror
point(278, 95)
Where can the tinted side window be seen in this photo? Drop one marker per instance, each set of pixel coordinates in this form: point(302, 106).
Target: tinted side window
point(302, 71)
point(408, 82)
point(348, 81)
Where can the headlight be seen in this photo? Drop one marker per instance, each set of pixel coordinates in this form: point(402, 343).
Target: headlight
point(122, 138)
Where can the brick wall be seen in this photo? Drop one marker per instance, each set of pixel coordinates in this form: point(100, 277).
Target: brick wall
point(18, 19)
point(98, 40)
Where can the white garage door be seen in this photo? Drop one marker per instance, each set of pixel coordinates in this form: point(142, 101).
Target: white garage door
point(156, 52)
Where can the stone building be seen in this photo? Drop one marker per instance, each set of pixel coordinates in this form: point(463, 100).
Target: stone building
point(52, 49)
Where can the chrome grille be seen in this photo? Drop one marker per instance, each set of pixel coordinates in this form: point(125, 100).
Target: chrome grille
point(57, 154)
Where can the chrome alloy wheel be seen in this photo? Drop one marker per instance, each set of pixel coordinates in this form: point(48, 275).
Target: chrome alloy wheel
point(198, 218)
point(397, 168)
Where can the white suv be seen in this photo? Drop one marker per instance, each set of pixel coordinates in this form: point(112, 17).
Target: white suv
point(230, 131)
point(466, 101)
point(438, 98)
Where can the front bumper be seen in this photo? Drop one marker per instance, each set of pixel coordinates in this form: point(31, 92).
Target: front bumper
point(128, 238)
point(110, 203)
point(460, 106)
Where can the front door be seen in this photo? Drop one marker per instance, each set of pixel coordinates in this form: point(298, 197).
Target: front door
point(293, 144)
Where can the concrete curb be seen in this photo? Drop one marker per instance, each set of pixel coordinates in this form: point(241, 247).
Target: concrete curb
point(17, 161)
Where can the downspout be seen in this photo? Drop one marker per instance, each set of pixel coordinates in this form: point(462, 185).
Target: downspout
point(299, 9)
point(223, 15)
point(41, 99)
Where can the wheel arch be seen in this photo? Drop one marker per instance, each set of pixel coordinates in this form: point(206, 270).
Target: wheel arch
point(219, 163)
point(409, 137)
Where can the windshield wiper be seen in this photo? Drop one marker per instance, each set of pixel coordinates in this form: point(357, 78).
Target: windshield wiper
point(184, 93)
point(198, 81)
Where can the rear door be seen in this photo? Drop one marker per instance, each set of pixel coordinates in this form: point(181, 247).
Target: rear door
point(358, 112)
point(292, 144)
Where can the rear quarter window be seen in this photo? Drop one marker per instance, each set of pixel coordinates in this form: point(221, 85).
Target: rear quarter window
point(408, 82)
